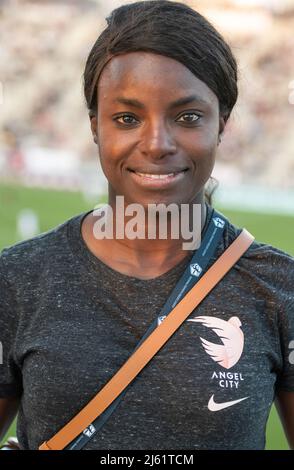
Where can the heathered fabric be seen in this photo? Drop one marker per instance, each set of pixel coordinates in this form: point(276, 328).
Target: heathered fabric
point(68, 322)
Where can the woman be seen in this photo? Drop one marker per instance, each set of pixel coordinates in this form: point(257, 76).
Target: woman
point(160, 84)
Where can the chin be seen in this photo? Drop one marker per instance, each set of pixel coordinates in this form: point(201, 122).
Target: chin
point(158, 199)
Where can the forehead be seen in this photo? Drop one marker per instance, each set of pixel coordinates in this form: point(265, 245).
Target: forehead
point(150, 74)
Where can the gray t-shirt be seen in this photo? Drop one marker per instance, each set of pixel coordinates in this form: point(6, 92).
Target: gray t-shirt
point(68, 322)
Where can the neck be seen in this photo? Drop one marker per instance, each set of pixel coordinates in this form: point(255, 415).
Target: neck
point(157, 251)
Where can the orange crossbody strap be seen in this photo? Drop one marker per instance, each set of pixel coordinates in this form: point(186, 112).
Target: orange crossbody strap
point(151, 345)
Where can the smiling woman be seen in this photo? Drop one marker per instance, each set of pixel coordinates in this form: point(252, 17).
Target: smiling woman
point(165, 150)
point(160, 84)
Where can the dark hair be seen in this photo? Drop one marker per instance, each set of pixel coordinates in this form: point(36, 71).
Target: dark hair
point(171, 29)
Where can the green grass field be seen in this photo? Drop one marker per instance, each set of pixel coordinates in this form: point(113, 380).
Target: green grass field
point(54, 207)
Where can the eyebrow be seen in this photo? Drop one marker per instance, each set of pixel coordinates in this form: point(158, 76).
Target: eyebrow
point(174, 104)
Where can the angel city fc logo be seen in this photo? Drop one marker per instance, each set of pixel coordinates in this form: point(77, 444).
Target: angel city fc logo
point(218, 222)
point(195, 269)
point(160, 319)
point(226, 354)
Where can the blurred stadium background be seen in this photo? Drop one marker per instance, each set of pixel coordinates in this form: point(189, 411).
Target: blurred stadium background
point(49, 169)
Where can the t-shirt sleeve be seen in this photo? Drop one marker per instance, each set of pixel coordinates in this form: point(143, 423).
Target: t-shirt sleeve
point(285, 380)
point(10, 375)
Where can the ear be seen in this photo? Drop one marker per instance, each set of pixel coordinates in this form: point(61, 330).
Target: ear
point(93, 121)
point(222, 125)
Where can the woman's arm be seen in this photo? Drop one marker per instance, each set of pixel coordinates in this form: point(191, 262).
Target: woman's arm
point(8, 410)
point(285, 406)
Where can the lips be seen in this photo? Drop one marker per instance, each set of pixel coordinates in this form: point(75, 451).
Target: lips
point(158, 174)
point(157, 179)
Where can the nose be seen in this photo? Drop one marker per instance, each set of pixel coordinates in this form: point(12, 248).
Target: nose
point(157, 140)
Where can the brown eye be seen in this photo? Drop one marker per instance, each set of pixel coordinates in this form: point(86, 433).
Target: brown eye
point(192, 117)
point(127, 119)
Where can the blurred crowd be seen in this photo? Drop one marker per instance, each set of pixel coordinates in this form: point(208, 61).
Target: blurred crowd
point(43, 48)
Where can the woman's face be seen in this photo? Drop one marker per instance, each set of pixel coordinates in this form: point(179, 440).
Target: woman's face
point(157, 129)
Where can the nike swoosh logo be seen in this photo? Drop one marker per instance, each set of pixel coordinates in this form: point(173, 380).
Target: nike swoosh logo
point(212, 406)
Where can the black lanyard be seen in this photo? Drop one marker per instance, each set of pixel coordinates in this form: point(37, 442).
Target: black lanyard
point(190, 277)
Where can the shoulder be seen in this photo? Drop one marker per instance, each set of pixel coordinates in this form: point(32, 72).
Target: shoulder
point(268, 259)
point(259, 252)
point(32, 255)
point(266, 266)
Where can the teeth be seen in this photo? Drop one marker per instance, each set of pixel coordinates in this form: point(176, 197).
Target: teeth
point(148, 175)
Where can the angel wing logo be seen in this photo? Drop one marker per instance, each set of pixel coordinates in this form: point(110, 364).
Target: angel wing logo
point(229, 352)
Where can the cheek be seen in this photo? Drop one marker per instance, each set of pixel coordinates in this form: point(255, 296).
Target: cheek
point(113, 149)
point(203, 148)
point(108, 155)
point(202, 152)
